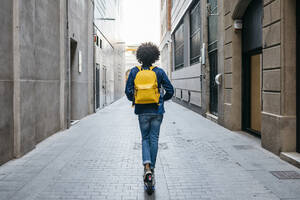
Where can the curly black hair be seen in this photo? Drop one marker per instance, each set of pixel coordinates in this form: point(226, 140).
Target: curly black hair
point(147, 53)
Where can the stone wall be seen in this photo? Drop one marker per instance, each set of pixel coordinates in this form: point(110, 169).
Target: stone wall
point(232, 70)
point(278, 72)
point(279, 76)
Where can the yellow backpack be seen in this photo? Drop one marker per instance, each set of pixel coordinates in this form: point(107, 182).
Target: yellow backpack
point(146, 87)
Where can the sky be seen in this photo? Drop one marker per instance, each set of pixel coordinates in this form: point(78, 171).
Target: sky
point(141, 21)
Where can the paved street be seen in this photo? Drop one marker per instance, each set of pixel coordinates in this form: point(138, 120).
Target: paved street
point(100, 158)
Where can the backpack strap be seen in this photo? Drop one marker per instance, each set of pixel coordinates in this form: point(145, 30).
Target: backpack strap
point(139, 67)
point(152, 67)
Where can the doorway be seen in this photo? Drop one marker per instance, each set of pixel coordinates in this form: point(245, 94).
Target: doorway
point(103, 90)
point(73, 56)
point(252, 68)
point(213, 55)
point(97, 88)
point(213, 62)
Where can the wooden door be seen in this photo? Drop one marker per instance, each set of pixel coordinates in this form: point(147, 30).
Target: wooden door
point(255, 92)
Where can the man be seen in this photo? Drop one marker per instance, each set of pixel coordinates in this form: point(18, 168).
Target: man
point(150, 115)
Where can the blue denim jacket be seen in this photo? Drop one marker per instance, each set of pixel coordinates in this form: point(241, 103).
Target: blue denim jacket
point(163, 81)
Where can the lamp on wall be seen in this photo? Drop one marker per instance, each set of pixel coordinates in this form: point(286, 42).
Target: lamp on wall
point(238, 24)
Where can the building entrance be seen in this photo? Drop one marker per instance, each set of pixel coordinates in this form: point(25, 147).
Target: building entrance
point(73, 64)
point(104, 87)
point(252, 67)
point(97, 86)
point(213, 54)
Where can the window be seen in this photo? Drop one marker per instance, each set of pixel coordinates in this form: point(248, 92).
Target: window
point(195, 34)
point(162, 4)
point(97, 40)
point(179, 46)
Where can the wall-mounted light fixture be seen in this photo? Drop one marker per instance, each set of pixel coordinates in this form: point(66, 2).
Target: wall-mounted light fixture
point(238, 24)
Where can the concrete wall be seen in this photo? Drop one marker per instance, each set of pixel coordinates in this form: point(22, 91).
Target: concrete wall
point(119, 65)
point(6, 81)
point(112, 54)
point(81, 31)
point(39, 71)
point(119, 78)
point(34, 79)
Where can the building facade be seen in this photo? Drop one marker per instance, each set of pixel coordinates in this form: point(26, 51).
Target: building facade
point(109, 52)
point(235, 62)
point(47, 70)
point(130, 57)
point(187, 39)
point(165, 46)
point(260, 71)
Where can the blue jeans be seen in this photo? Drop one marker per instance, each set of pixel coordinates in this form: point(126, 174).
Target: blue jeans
point(150, 127)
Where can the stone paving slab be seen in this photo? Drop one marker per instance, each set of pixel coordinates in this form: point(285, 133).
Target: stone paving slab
point(100, 158)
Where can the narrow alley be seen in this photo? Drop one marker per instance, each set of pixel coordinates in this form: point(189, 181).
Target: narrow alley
point(100, 158)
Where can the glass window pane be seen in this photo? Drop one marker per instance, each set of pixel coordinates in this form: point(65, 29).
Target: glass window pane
point(179, 46)
point(213, 29)
point(179, 58)
point(213, 6)
point(195, 18)
point(179, 35)
point(195, 48)
point(195, 33)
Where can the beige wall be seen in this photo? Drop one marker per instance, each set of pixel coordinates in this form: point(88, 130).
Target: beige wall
point(278, 72)
point(232, 70)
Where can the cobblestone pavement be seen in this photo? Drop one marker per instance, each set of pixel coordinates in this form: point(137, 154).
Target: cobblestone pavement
point(100, 158)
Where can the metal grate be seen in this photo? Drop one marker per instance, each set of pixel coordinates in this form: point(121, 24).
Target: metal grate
point(243, 147)
point(286, 174)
